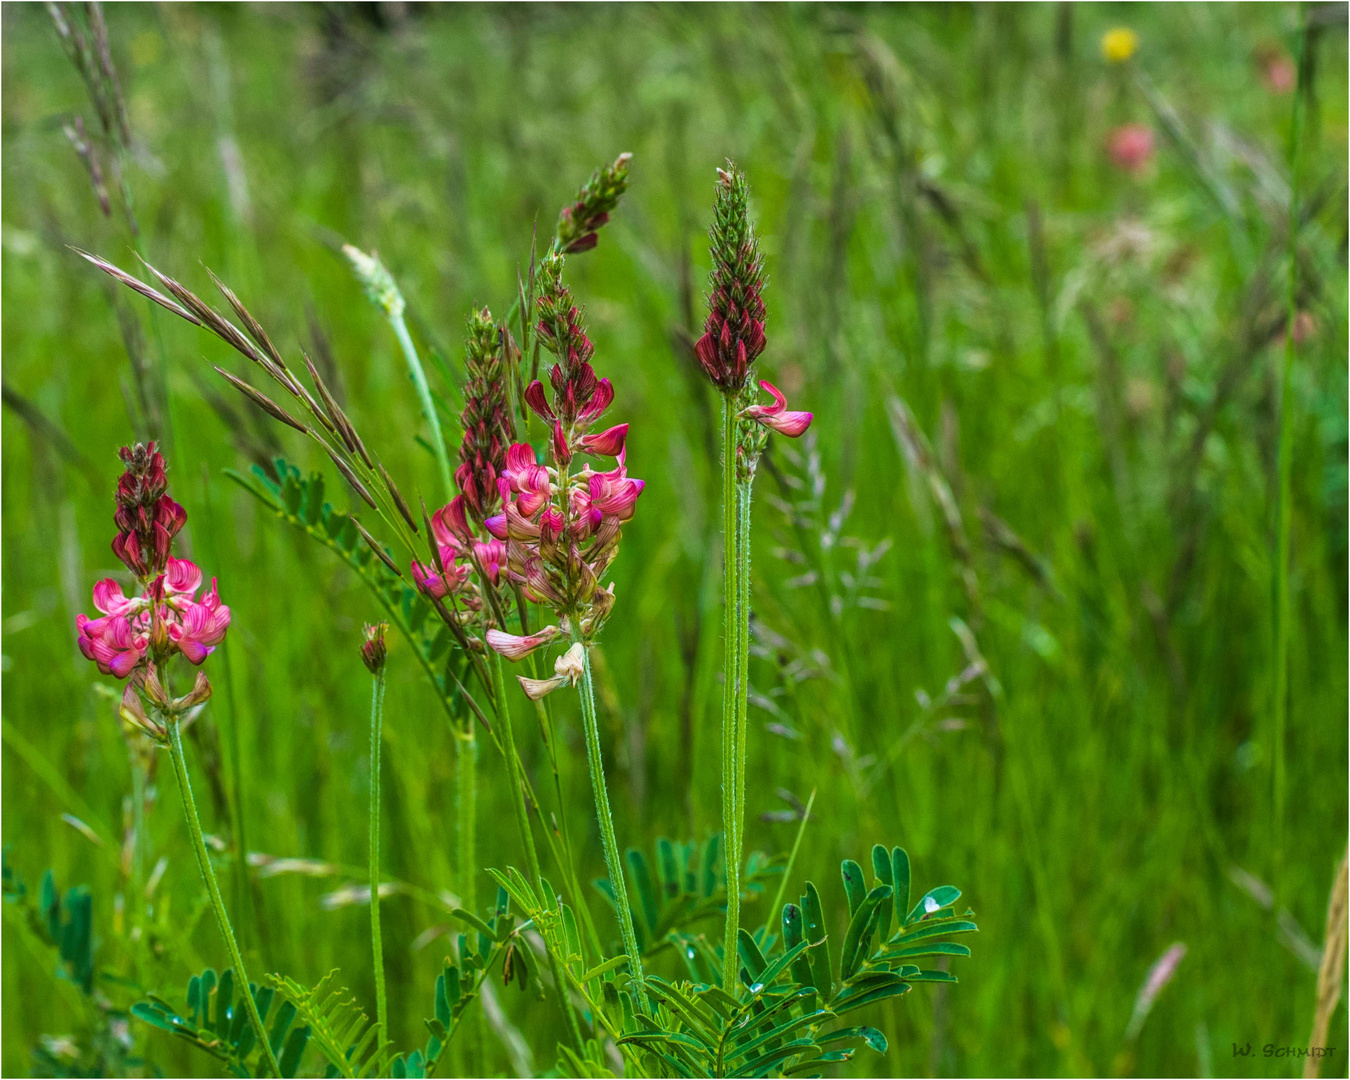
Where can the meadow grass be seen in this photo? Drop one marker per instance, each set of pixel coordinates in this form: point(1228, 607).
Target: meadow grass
point(1050, 384)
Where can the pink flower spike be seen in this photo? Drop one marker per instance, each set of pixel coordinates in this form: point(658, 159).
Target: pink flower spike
point(608, 443)
point(777, 417)
point(514, 647)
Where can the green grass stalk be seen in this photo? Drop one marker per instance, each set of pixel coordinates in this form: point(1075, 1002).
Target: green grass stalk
point(466, 824)
point(213, 890)
point(1284, 499)
point(376, 938)
point(419, 378)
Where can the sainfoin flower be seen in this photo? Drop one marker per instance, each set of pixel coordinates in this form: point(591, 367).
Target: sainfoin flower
point(733, 335)
point(777, 417)
point(560, 524)
point(134, 636)
point(452, 536)
point(486, 418)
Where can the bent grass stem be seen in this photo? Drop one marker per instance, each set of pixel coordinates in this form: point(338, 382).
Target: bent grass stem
point(213, 890)
point(419, 378)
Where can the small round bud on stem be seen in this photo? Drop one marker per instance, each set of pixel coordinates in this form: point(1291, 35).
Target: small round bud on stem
point(373, 650)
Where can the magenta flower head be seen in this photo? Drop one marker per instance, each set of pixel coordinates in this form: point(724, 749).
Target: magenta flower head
point(486, 418)
point(733, 335)
point(561, 524)
point(135, 637)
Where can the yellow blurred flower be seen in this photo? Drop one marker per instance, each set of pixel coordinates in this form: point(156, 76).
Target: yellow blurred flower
point(1119, 44)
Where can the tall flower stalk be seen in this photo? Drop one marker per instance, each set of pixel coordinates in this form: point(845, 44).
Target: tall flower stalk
point(733, 338)
point(137, 638)
point(463, 548)
point(373, 654)
point(561, 525)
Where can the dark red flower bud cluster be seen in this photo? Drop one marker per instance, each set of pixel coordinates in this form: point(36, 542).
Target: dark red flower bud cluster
point(579, 398)
point(579, 223)
point(147, 519)
point(733, 335)
point(486, 418)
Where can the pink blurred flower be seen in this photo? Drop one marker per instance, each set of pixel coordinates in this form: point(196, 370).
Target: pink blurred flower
point(1131, 147)
point(777, 417)
point(1279, 73)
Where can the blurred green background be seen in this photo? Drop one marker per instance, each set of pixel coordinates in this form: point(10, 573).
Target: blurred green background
point(1045, 370)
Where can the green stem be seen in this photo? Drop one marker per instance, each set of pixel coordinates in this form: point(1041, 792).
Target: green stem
point(515, 776)
point(138, 830)
point(213, 890)
point(466, 763)
point(732, 769)
point(1284, 496)
point(376, 938)
point(419, 378)
point(605, 816)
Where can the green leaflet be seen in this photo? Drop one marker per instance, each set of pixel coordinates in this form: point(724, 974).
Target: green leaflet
point(338, 1028)
point(216, 1023)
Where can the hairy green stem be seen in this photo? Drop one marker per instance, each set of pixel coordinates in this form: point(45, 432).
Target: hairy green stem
point(731, 593)
point(376, 938)
point(419, 378)
point(1284, 498)
point(605, 816)
point(466, 823)
point(515, 776)
point(213, 890)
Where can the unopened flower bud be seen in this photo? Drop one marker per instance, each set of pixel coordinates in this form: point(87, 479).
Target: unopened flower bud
point(373, 650)
point(133, 713)
point(200, 692)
